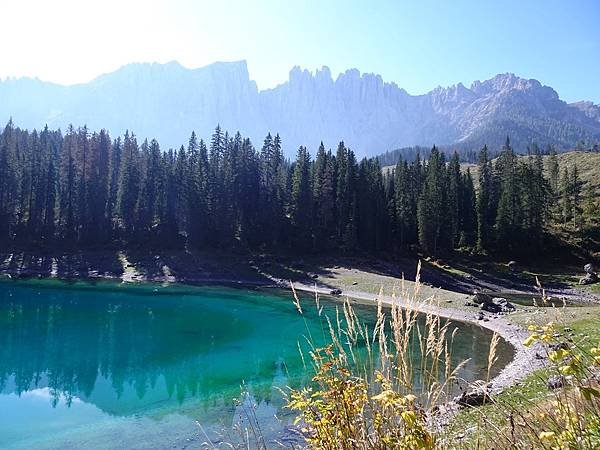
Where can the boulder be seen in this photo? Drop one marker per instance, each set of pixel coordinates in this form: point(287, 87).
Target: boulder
point(504, 304)
point(490, 307)
point(590, 278)
point(589, 268)
point(480, 298)
point(475, 397)
point(497, 305)
point(335, 292)
point(512, 266)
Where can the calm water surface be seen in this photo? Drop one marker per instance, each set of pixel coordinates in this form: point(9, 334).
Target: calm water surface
point(109, 365)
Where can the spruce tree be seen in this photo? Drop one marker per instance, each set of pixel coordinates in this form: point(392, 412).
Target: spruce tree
point(453, 202)
point(508, 218)
point(468, 212)
point(301, 207)
point(486, 214)
point(431, 208)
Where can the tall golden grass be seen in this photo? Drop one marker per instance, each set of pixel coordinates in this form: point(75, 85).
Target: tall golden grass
point(367, 392)
point(390, 386)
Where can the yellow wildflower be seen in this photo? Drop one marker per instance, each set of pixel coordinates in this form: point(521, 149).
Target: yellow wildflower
point(530, 340)
point(546, 435)
point(566, 370)
point(557, 355)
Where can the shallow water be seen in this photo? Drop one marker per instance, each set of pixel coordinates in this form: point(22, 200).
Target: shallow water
point(109, 365)
point(534, 300)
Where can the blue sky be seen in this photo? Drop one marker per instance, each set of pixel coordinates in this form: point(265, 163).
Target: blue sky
point(417, 44)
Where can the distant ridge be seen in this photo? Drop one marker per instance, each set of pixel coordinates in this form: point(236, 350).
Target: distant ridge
point(168, 101)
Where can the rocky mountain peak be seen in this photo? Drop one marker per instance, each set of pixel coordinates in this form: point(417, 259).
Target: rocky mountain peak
point(168, 101)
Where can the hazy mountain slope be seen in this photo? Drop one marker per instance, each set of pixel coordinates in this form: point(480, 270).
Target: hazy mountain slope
point(588, 168)
point(168, 101)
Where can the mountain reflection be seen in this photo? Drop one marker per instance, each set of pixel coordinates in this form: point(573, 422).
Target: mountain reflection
point(145, 349)
point(127, 353)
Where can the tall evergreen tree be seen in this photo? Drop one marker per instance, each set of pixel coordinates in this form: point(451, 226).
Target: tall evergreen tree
point(453, 200)
point(301, 213)
point(431, 207)
point(468, 212)
point(486, 211)
point(508, 218)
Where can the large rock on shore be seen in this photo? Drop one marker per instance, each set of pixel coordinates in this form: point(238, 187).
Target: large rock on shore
point(480, 298)
point(590, 278)
point(497, 305)
point(476, 396)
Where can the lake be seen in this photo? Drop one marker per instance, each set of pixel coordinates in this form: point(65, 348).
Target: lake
point(110, 365)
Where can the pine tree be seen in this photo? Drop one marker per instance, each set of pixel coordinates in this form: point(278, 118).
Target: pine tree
point(468, 212)
point(575, 189)
point(68, 188)
point(430, 208)
point(346, 208)
point(567, 201)
point(371, 206)
point(99, 184)
point(453, 196)
point(324, 197)
point(486, 213)
point(301, 213)
point(129, 184)
point(508, 218)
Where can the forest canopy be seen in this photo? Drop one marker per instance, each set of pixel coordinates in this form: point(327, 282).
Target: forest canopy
point(86, 190)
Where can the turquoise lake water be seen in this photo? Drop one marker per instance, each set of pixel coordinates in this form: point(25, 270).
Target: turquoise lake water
point(109, 365)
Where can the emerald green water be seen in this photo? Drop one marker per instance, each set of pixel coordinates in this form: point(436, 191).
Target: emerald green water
point(110, 365)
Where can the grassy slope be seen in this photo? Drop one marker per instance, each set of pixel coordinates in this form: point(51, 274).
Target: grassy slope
point(467, 427)
point(588, 165)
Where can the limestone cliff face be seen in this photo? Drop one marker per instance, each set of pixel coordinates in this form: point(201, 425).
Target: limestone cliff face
point(168, 101)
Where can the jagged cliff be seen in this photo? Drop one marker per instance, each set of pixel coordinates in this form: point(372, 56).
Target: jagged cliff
point(168, 101)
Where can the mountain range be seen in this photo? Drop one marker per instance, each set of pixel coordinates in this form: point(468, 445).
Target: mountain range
point(168, 101)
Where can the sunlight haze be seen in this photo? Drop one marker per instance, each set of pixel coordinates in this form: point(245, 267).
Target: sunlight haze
point(418, 46)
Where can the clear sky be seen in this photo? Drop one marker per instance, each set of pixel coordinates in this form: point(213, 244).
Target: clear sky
point(417, 44)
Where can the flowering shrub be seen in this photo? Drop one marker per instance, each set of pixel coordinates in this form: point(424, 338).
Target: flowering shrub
point(341, 412)
point(572, 418)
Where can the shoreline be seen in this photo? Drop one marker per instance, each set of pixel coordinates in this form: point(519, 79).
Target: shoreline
point(525, 359)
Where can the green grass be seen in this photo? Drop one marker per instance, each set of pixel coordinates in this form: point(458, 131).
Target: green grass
point(466, 429)
point(588, 166)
